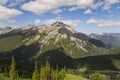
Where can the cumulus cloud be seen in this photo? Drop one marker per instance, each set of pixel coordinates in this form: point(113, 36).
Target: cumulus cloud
point(103, 23)
point(2, 2)
point(15, 2)
point(8, 13)
point(2, 25)
point(88, 11)
point(11, 21)
point(118, 7)
point(72, 23)
point(41, 6)
point(57, 11)
point(72, 9)
point(37, 21)
point(48, 22)
point(108, 3)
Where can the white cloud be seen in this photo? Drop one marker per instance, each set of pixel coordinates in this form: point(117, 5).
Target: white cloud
point(97, 4)
point(112, 1)
point(72, 23)
point(2, 2)
point(37, 22)
point(88, 11)
point(42, 6)
point(84, 3)
point(57, 11)
point(118, 7)
point(8, 13)
point(108, 3)
point(72, 9)
point(15, 2)
point(91, 21)
point(11, 21)
point(103, 23)
point(2, 25)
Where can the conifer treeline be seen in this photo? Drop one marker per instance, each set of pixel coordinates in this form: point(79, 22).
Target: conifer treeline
point(13, 74)
point(47, 73)
point(42, 72)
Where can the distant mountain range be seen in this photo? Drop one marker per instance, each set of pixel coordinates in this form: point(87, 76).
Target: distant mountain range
point(110, 39)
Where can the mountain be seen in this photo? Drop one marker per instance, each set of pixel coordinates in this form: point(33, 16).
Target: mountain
point(59, 43)
point(110, 39)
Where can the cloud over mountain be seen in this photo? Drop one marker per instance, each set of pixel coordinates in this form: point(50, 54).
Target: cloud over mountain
point(41, 6)
point(103, 23)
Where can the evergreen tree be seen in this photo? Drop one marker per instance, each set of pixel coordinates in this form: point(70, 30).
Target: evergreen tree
point(55, 73)
point(42, 73)
point(47, 71)
point(12, 72)
point(35, 75)
point(61, 75)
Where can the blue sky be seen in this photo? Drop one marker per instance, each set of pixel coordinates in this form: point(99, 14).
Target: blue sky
point(85, 16)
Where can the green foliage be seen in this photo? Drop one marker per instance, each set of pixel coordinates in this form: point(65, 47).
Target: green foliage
point(97, 76)
point(35, 75)
point(57, 74)
point(45, 72)
point(74, 77)
point(42, 73)
point(117, 77)
point(11, 42)
point(2, 77)
point(13, 72)
point(61, 75)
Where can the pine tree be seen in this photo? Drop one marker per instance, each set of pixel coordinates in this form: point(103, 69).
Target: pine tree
point(45, 72)
point(35, 75)
point(42, 73)
point(61, 74)
point(12, 72)
point(48, 71)
point(54, 74)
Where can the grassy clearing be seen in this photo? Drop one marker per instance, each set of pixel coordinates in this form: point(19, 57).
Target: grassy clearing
point(68, 77)
point(73, 77)
point(2, 77)
point(10, 43)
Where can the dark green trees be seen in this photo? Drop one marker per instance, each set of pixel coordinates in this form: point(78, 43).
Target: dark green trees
point(46, 73)
point(35, 75)
point(117, 77)
point(13, 74)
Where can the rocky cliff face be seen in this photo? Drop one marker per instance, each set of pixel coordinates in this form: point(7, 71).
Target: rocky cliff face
point(74, 44)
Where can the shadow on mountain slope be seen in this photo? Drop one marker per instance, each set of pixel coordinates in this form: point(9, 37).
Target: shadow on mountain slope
point(104, 62)
point(57, 57)
point(26, 54)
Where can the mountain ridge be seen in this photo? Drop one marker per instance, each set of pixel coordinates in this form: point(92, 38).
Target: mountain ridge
point(59, 35)
point(110, 39)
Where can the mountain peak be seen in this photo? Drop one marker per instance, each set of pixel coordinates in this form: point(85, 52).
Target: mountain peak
point(59, 23)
